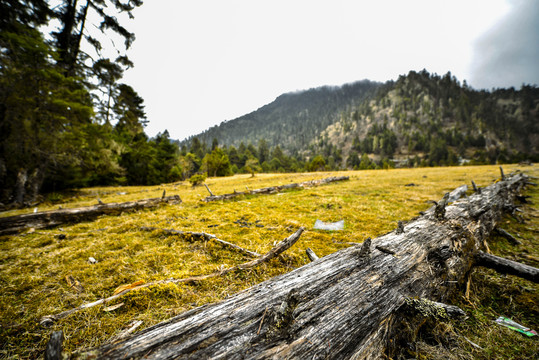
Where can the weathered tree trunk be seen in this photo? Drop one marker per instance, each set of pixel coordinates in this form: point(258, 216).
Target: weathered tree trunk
point(17, 223)
point(273, 189)
point(19, 190)
point(346, 305)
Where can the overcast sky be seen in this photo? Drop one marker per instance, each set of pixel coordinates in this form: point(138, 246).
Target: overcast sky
point(198, 63)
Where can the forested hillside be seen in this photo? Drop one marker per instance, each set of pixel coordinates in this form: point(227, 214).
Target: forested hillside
point(421, 119)
point(293, 120)
point(434, 120)
point(68, 121)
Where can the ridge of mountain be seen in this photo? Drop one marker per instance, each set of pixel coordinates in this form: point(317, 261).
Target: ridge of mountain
point(427, 117)
point(293, 120)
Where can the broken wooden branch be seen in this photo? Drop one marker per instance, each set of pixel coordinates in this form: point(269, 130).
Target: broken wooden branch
point(341, 306)
point(507, 236)
point(506, 266)
point(274, 189)
point(311, 255)
point(123, 334)
point(45, 219)
point(284, 245)
point(207, 188)
point(475, 188)
point(204, 236)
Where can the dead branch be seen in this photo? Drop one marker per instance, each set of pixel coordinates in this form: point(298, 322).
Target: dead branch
point(204, 236)
point(274, 189)
point(53, 351)
point(311, 255)
point(507, 236)
point(506, 266)
point(284, 245)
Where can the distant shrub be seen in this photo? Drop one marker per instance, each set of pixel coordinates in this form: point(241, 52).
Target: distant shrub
point(197, 179)
point(55, 197)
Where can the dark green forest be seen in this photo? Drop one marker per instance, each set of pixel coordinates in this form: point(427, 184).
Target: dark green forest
point(68, 121)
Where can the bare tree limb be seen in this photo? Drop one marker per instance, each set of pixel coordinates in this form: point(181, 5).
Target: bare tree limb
point(284, 245)
point(507, 266)
point(204, 236)
point(274, 189)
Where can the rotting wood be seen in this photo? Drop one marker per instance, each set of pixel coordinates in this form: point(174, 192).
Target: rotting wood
point(311, 305)
point(39, 220)
point(508, 236)
point(282, 246)
point(507, 266)
point(275, 189)
point(205, 236)
point(434, 309)
point(53, 351)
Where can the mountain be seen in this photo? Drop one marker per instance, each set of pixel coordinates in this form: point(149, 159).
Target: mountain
point(437, 119)
point(293, 120)
point(420, 119)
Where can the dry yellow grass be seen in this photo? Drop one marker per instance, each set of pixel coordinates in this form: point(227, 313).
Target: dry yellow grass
point(34, 265)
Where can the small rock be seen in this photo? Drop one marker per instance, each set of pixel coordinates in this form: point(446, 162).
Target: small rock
point(91, 260)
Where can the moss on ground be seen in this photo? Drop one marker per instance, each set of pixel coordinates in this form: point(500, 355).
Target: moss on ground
point(34, 266)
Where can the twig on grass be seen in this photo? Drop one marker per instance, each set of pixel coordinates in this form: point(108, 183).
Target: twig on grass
point(284, 245)
point(204, 236)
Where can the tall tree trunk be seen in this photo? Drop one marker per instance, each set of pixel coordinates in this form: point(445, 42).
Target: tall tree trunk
point(19, 191)
point(347, 305)
point(65, 39)
point(33, 185)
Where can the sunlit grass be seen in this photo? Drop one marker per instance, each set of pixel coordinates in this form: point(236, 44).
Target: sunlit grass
point(34, 266)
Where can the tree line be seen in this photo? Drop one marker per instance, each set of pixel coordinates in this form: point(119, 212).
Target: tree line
point(66, 119)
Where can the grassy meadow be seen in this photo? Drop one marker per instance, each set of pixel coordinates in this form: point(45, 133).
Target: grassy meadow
point(35, 265)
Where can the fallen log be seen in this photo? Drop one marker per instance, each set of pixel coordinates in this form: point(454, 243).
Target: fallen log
point(45, 219)
point(346, 305)
point(274, 189)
